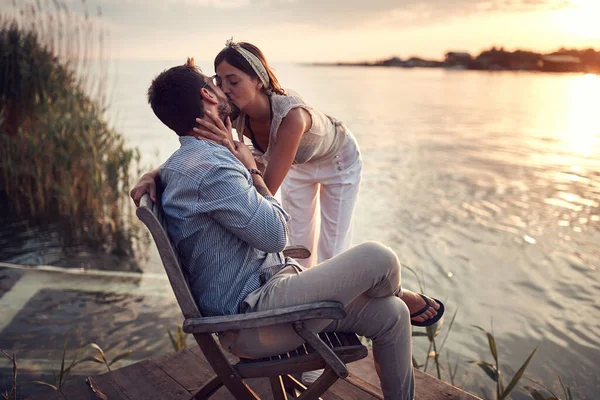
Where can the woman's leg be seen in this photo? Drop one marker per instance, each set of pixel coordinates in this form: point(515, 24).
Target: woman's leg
point(340, 182)
point(299, 193)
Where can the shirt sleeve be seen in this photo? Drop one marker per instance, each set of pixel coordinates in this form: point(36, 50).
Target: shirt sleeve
point(228, 195)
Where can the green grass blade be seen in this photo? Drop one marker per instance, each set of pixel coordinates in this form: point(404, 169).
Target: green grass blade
point(542, 385)
point(121, 356)
point(488, 368)
point(62, 365)
point(565, 389)
point(534, 393)
point(91, 359)
point(449, 329)
point(173, 341)
point(518, 375)
point(44, 384)
point(491, 342)
point(99, 349)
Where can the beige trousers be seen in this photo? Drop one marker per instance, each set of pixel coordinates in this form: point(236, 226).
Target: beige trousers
point(366, 279)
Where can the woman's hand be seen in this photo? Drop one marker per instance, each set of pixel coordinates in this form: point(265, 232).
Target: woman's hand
point(212, 128)
point(242, 153)
point(146, 184)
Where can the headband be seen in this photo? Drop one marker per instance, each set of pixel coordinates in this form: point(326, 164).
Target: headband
point(254, 62)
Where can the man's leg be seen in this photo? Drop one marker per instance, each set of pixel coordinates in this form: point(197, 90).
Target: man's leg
point(369, 269)
point(386, 321)
point(366, 279)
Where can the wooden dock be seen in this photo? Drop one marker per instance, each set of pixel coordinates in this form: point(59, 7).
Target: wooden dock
point(178, 376)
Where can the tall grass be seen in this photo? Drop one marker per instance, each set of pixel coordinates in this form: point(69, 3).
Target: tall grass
point(60, 161)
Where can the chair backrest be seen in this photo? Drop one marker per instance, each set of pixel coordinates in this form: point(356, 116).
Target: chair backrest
point(151, 215)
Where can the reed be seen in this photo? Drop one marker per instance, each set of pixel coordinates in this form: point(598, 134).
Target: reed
point(493, 369)
point(178, 339)
point(60, 161)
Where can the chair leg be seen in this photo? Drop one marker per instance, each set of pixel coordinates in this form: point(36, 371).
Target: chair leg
point(292, 385)
point(320, 386)
point(208, 389)
point(277, 388)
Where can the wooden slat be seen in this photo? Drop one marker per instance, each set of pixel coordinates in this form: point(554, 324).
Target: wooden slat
point(189, 370)
point(302, 312)
point(108, 387)
point(145, 380)
point(350, 389)
point(76, 388)
point(429, 388)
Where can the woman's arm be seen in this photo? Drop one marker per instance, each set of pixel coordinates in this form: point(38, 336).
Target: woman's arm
point(146, 184)
point(290, 132)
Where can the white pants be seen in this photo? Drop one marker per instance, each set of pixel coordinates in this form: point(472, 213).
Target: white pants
point(323, 192)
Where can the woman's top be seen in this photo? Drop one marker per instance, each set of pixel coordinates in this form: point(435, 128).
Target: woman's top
point(322, 140)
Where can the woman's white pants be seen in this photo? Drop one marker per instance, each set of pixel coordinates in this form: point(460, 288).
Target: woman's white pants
point(320, 197)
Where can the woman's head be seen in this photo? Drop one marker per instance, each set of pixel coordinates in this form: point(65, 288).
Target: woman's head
point(243, 69)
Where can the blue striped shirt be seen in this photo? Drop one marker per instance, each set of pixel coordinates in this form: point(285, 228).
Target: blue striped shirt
point(225, 232)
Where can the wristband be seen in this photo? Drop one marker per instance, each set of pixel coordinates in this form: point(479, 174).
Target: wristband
point(255, 171)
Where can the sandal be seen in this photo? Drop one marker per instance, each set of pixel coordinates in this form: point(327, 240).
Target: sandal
point(429, 321)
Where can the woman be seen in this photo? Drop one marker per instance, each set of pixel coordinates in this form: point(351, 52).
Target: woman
point(313, 157)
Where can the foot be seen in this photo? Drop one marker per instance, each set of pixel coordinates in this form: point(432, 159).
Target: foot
point(415, 303)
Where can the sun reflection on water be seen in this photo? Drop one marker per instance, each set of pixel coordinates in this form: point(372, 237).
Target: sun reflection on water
point(583, 128)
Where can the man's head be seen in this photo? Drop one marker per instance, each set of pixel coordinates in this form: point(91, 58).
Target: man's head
point(181, 94)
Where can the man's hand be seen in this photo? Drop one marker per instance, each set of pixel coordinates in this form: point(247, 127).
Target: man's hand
point(241, 152)
point(212, 128)
point(146, 184)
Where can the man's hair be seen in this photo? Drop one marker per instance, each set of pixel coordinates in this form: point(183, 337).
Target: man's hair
point(175, 98)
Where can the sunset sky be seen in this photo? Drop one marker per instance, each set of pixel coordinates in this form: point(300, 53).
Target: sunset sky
point(342, 30)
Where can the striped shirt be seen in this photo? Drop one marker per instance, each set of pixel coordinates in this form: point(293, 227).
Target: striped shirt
point(225, 232)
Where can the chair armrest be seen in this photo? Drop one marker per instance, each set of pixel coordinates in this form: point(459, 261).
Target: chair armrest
point(296, 251)
point(303, 312)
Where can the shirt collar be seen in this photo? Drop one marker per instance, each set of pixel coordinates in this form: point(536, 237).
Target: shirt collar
point(183, 140)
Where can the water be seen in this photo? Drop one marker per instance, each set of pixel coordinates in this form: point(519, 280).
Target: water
point(488, 184)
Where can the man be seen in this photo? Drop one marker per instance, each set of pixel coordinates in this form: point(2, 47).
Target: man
point(230, 231)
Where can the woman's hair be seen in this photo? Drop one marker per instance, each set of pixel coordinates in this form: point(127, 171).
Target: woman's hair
point(234, 58)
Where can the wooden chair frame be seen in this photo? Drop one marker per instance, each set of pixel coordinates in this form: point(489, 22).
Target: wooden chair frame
point(325, 350)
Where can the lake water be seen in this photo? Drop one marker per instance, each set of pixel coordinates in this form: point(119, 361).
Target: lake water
point(486, 183)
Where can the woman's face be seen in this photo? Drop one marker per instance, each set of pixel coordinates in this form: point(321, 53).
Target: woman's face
point(240, 88)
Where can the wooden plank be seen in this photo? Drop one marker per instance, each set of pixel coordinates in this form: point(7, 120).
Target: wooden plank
point(185, 367)
point(367, 390)
point(106, 385)
point(76, 389)
point(145, 380)
point(429, 388)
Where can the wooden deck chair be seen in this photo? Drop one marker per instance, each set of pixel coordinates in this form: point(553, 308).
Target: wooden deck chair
point(325, 350)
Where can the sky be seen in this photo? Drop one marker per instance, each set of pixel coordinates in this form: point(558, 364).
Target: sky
point(339, 30)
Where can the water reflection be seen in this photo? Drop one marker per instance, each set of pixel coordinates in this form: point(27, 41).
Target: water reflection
point(487, 183)
point(583, 128)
